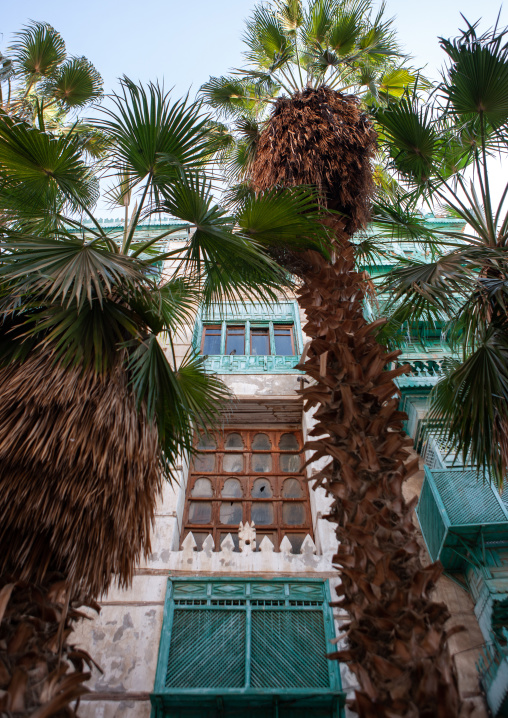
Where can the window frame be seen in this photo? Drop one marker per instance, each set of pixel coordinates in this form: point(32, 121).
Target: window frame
point(248, 328)
point(203, 335)
point(260, 327)
point(218, 476)
point(255, 314)
point(291, 328)
point(225, 336)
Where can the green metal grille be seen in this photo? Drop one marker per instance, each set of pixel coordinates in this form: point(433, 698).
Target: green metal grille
point(431, 523)
point(459, 516)
point(288, 649)
point(207, 649)
point(252, 648)
point(466, 499)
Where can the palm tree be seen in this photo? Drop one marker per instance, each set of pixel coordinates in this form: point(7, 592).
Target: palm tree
point(291, 49)
point(443, 152)
point(94, 412)
point(40, 82)
point(317, 135)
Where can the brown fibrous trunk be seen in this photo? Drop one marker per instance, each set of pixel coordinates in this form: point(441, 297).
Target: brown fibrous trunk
point(80, 476)
point(396, 639)
point(41, 674)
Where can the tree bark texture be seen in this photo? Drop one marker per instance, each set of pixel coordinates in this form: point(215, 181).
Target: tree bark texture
point(41, 674)
point(396, 634)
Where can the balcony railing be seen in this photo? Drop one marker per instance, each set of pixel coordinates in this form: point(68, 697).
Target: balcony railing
point(243, 364)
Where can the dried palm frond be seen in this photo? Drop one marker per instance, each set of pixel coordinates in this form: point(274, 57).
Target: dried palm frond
point(320, 138)
point(40, 673)
point(79, 474)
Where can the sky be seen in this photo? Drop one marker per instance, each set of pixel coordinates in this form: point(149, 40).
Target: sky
point(183, 42)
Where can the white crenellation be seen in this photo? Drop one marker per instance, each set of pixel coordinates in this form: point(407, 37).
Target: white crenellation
point(247, 559)
point(247, 537)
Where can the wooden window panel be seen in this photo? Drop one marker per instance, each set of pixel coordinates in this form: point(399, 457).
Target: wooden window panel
point(281, 333)
point(211, 335)
point(235, 339)
point(252, 501)
point(259, 341)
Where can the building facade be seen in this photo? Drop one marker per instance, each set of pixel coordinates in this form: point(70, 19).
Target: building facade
point(230, 614)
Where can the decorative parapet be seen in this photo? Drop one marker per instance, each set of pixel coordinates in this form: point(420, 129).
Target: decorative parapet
point(244, 364)
point(247, 558)
point(423, 367)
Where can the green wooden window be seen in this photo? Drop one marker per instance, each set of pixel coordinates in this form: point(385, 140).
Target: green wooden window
point(257, 647)
point(249, 338)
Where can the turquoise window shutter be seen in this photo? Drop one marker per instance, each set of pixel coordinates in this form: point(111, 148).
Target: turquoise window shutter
point(287, 649)
point(257, 647)
point(207, 649)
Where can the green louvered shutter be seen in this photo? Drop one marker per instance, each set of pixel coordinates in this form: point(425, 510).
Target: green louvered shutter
point(207, 649)
point(288, 649)
point(257, 648)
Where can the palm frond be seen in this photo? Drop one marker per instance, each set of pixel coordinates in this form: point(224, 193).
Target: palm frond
point(37, 51)
point(290, 14)
point(237, 194)
point(408, 134)
point(44, 163)
point(229, 262)
point(230, 96)
point(318, 20)
point(76, 83)
point(476, 82)
point(167, 307)
point(347, 26)
point(470, 405)
point(67, 269)
point(290, 217)
point(179, 398)
point(153, 137)
point(265, 37)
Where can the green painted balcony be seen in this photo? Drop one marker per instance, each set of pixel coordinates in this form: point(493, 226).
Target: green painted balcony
point(252, 648)
point(249, 338)
point(460, 517)
point(464, 522)
point(493, 669)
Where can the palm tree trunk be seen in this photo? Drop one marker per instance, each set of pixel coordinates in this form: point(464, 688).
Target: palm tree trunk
point(396, 635)
point(40, 673)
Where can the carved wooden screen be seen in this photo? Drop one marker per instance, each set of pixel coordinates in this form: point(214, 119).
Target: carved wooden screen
point(248, 475)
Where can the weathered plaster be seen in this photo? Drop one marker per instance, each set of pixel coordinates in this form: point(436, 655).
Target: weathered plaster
point(124, 641)
point(122, 708)
point(262, 384)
